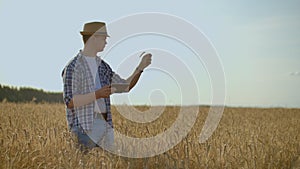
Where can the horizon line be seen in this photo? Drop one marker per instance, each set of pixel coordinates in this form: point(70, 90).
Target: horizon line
point(201, 105)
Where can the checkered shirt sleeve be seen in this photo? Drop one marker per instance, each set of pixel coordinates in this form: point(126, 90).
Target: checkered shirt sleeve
point(117, 79)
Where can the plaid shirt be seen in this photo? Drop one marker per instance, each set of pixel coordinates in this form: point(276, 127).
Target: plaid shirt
point(78, 79)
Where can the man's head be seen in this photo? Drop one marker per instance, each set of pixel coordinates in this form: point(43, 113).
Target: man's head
point(95, 33)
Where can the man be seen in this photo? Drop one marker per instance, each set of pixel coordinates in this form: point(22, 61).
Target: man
point(87, 88)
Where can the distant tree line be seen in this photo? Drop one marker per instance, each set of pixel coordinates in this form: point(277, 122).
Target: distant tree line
point(27, 94)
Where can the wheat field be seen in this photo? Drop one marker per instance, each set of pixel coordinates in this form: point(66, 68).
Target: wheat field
point(35, 136)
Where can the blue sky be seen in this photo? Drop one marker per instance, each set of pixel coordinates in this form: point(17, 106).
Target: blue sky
point(257, 43)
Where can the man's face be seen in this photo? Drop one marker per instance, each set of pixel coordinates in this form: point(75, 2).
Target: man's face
point(100, 42)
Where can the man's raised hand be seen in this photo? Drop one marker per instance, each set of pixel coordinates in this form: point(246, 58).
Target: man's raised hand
point(145, 62)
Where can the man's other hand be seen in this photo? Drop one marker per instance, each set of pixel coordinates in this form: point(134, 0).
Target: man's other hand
point(104, 92)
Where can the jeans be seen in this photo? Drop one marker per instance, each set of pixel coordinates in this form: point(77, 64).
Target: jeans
point(101, 135)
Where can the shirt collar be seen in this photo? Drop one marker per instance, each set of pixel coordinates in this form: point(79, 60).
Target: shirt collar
point(98, 59)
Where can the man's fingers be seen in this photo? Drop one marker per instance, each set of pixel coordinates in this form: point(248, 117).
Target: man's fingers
point(113, 89)
point(146, 60)
point(148, 55)
point(106, 91)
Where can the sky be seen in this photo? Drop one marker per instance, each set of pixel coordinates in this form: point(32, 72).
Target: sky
point(257, 43)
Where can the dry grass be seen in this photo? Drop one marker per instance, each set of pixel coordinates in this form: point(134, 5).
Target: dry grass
point(35, 136)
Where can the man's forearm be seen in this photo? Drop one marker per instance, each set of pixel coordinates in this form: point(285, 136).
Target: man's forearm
point(81, 100)
point(134, 78)
point(84, 99)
